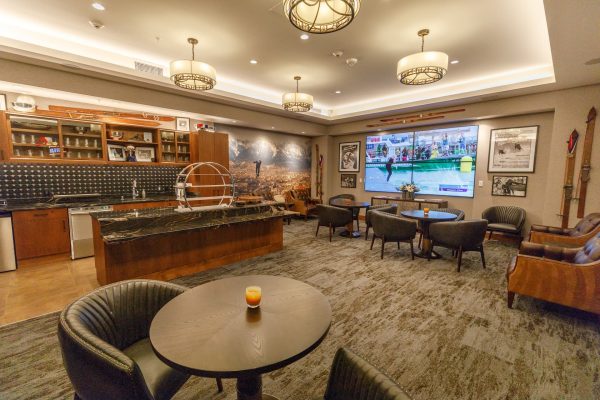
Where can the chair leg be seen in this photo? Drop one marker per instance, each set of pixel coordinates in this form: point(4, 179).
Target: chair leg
point(367, 232)
point(420, 239)
point(219, 385)
point(460, 251)
point(398, 242)
point(76, 397)
point(330, 232)
point(510, 298)
point(482, 256)
point(318, 226)
point(382, 246)
point(412, 250)
point(372, 241)
point(357, 224)
point(490, 236)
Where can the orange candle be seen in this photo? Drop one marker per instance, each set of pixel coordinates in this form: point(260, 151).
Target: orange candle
point(253, 296)
point(426, 210)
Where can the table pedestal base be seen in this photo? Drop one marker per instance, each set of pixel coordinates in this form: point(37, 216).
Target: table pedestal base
point(427, 248)
point(350, 234)
point(250, 388)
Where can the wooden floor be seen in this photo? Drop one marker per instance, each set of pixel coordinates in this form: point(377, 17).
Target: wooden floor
point(44, 286)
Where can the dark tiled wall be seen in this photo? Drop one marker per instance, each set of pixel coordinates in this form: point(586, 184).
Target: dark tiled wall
point(23, 181)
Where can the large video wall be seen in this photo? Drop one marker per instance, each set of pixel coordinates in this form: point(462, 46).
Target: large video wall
point(439, 162)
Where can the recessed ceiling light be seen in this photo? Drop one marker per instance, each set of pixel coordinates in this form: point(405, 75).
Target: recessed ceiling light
point(304, 36)
point(272, 127)
point(98, 6)
point(303, 132)
point(253, 61)
point(454, 62)
point(338, 91)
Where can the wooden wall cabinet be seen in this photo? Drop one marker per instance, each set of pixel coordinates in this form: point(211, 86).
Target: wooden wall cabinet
point(40, 233)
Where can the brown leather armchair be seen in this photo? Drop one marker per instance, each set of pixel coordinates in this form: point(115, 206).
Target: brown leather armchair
point(303, 204)
point(353, 378)
point(105, 347)
point(586, 228)
point(567, 276)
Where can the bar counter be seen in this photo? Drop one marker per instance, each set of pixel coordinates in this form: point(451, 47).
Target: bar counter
point(162, 243)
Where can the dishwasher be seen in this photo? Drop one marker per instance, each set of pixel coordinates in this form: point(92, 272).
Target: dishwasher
point(8, 261)
point(80, 226)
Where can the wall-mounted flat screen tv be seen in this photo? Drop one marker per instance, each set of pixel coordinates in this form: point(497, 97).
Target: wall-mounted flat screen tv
point(440, 162)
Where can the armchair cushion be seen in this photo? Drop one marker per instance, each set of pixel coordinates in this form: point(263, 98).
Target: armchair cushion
point(509, 228)
point(550, 252)
point(550, 229)
point(590, 252)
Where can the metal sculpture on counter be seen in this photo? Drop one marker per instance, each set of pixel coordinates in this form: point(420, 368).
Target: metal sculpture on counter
point(204, 184)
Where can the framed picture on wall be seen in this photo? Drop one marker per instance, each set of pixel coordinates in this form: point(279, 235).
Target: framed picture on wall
point(349, 157)
point(183, 124)
point(144, 154)
point(348, 181)
point(513, 149)
point(512, 186)
point(2, 102)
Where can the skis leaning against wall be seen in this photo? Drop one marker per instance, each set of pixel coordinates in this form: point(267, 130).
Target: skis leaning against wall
point(584, 174)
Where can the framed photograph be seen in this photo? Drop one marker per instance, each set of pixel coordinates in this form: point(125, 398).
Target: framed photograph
point(2, 102)
point(348, 181)
point(349, 157)
point(183, 124)
point(512, 186)
point(148, 137)
point(116, 152)
point(144, 154)
point(513, 149)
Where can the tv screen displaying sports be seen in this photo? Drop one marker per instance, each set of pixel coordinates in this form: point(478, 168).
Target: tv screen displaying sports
point(440, 162)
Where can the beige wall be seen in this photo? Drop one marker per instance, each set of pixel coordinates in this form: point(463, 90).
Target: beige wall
point(562, 112)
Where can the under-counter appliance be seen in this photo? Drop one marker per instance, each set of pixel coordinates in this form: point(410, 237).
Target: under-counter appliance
point(8, 261)
point(80, 225)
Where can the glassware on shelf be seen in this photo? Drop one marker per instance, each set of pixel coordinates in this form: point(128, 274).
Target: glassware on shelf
point(32, 139)
point(68, 141)
point(29, 152)
point(96, 143)
point(77, 142)
point(23, 139)
point(17, 152)
point(87, 143)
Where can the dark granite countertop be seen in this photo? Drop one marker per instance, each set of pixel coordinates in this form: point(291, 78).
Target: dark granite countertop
point(118, 226)
point(38, 204)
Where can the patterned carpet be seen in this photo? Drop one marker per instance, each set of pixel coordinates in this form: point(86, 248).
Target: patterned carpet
point(440, 334)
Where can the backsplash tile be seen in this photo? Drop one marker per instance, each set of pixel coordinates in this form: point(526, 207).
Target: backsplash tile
point(26, 181)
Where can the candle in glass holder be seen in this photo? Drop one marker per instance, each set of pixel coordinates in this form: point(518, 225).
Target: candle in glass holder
point(253, 296)
point(426, 210)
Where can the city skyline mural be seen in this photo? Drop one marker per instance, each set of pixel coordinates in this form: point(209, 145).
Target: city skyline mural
point(266, 163)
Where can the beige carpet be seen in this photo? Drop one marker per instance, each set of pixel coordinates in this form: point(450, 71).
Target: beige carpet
point(440, 334)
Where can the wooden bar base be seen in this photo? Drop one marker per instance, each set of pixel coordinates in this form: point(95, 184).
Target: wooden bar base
point(169, 256)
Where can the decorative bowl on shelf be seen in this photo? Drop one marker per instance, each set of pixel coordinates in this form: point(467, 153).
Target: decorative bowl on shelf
point(81, 129)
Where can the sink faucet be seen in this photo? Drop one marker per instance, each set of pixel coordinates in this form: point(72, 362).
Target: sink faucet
point(134, 191)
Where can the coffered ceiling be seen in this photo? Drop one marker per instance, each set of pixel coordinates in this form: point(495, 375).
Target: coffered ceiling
point(500, 45)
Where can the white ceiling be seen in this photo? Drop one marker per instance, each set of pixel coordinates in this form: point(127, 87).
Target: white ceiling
point(501, 45)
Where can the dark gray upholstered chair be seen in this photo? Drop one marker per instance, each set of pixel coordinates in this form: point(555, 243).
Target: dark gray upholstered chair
point(332, 217)
point(390, 228)
point(504, 219)
point(352, 378)
point(460, 236)
point(105, 347)
point(460, 215)
point(386, 208)
point(355, 212)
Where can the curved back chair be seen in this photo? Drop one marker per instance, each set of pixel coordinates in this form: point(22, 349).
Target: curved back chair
point(105, 347)
point(386, 208)
point(352, 378)
point(332, 217)
point(355, 211)
point(460, 214)
point(567, 276)
point(505, 219)
point(390, 228)
point(460, 236)
point(586, 228)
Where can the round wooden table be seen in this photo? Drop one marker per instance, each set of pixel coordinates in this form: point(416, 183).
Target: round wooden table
point(210, 331)
point(425, 220)
point(351, 205)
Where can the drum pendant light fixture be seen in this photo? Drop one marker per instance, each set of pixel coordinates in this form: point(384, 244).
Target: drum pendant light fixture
point(297, 102)
point(192, 74)
point(321, 16)
point(424, 67)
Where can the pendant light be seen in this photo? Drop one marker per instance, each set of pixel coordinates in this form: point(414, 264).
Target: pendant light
point(297, 102)
point(321, 16)
point(192, 74)
point(424, 67)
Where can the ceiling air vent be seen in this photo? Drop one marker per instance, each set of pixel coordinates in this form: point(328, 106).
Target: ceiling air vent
point(148, 69)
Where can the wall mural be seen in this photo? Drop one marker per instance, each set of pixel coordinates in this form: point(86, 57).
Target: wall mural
point(267, 164)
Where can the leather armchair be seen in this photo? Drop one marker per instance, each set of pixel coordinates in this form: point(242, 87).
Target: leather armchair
point(460, 216)
point(104, 342)
point(352, 378)
point(303, 204)
point(355, 211)
point(567, 276)
point(586, 228)
point(332, 217)
point(390, 228)
point(505, 219)
point(460, 236)
point(386, 208)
